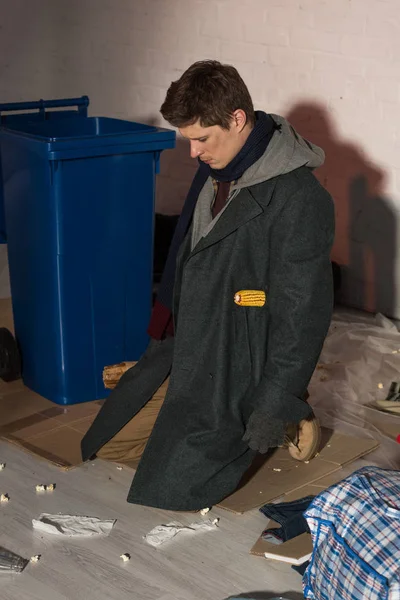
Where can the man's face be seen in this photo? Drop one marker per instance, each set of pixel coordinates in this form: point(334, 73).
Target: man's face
point(214, 145)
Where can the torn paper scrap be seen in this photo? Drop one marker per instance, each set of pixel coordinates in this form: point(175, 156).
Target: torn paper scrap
point(72, 525)
point(4, 498)
point(163, 533)
point(204, 511)
point(2, 466)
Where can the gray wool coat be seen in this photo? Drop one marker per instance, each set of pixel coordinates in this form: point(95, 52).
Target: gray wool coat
point(227, 361)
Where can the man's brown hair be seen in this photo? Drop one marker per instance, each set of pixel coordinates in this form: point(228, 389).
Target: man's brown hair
point(209, 92)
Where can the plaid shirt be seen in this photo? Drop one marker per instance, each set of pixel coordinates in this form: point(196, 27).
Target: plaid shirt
point(355, 527)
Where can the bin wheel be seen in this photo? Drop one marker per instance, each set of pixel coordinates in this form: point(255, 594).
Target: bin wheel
point(10, 358)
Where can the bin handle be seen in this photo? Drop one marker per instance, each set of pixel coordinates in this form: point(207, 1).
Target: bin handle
point(82, 103)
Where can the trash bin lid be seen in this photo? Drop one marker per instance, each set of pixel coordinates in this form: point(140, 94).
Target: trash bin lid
point(91, 127)
point(91, 136)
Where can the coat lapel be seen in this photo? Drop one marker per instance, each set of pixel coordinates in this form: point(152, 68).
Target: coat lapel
point(240, 211)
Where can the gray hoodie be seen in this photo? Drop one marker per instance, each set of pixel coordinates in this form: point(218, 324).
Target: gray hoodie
point(286, 152)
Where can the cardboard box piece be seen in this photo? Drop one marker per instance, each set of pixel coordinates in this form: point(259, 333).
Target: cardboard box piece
point(278, 474)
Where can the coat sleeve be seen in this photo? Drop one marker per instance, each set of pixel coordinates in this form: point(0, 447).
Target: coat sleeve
point(300, 301)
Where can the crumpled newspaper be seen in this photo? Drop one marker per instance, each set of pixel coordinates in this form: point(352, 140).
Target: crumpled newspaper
point(72, 525)
point(163, 533)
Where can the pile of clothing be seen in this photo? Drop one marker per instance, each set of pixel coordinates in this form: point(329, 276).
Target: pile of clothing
point(355, 530)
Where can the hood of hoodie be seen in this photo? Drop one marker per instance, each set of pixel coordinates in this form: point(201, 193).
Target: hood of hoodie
point(286, 152)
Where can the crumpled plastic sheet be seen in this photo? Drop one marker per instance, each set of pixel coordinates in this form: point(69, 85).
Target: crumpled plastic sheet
point(11, 562)
point(164, 533)
point(73, 525)
point(360, 353)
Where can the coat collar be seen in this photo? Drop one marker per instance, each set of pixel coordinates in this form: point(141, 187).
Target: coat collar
point(245, 207)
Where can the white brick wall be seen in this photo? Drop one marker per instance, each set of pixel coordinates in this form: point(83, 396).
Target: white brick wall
point(332, 66)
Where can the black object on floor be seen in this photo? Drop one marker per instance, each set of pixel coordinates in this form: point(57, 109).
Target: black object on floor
point(301, 569)
point(10, 358)
point(290, 517)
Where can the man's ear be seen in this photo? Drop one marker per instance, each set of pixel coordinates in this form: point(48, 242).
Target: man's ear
point(239, 119)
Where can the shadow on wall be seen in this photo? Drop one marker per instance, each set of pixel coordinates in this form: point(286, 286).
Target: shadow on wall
point(366, 226)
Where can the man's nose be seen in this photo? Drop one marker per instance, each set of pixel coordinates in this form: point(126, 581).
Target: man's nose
point(194, 150)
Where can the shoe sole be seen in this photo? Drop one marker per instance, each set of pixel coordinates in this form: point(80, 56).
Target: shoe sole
point(312, 430)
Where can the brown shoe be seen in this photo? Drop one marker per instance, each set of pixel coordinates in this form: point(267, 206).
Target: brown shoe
point(303, 439)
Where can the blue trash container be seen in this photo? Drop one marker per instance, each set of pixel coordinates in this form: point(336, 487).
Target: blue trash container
point(79, 207)
point(16, 114)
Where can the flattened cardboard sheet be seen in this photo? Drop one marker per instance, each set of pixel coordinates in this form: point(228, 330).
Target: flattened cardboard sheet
point(278, 474)
point(43, 428)
point(48, 430)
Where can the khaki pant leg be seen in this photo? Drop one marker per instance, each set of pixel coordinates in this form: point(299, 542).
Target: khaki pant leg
point(128, 444)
